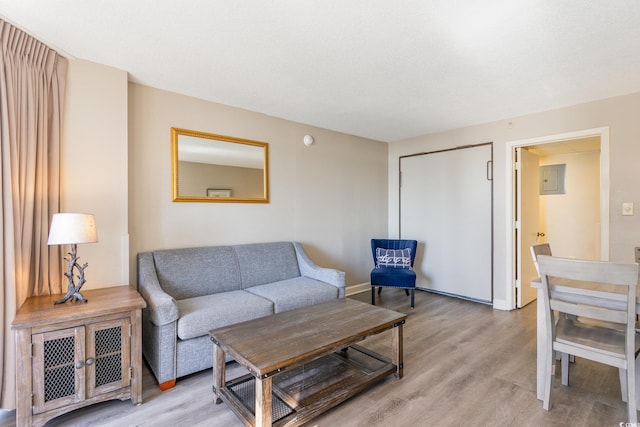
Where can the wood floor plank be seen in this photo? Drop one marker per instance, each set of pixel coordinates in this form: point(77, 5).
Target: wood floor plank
point(464, 364)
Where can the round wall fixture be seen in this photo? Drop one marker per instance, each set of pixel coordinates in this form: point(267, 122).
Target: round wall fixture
point(308, 140)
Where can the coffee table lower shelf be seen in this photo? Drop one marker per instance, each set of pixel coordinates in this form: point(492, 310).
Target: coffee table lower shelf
point(305, 391)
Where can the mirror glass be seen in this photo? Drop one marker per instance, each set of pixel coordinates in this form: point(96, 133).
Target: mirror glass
point(218, 168)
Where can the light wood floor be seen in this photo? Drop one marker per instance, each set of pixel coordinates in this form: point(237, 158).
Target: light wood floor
point(465, 364)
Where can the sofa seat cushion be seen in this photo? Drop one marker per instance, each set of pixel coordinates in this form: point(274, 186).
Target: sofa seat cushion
point(295, 293)
point(201, 314)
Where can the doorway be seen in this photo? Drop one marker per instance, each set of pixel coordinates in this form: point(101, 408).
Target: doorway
point(591, 243)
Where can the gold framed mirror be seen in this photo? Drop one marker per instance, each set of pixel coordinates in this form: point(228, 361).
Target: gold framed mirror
point(220, 169)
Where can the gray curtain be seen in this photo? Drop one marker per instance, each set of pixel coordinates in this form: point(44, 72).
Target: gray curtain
point(32, 83)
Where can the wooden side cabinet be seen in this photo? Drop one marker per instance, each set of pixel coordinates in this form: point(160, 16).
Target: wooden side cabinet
point(75, 354)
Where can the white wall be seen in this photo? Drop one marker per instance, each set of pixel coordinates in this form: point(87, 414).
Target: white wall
point(571, 221)
point(620, 114)
point(94, 166)
point(331, 196)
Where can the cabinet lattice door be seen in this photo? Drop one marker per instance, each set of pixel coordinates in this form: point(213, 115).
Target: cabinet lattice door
point(58, 381)
point(74, 364)
point(110, 368)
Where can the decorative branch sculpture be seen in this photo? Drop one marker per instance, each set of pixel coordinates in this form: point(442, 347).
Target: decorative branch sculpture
point(73, 291)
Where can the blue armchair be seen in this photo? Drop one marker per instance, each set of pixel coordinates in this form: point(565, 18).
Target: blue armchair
point(393, 261)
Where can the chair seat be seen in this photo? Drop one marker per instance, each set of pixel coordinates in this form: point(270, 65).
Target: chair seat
point(605, 338)
point(393, 277)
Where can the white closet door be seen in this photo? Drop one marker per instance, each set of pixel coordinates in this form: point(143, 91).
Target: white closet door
point(445, 204)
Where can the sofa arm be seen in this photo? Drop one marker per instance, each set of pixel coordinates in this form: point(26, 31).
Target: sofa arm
point(159, 348)
point(161, 306)
point(310, 269)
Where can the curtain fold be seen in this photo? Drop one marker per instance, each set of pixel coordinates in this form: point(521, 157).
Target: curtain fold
point(32, 84)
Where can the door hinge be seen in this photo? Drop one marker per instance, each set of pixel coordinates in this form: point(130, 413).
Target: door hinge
point(130, 373)
point(516, 166)
point(516, 224)
point(31, 350)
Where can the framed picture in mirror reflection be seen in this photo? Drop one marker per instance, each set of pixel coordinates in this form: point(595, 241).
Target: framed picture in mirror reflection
point(217, 192)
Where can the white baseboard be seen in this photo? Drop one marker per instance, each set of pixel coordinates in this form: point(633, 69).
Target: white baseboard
point(498, 304)
point(356, 289)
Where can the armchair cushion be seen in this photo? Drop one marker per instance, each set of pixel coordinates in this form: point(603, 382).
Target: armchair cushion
point(393, 277)
point(393, 258)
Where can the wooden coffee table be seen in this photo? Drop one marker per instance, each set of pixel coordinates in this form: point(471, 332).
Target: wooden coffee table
point(303, 362)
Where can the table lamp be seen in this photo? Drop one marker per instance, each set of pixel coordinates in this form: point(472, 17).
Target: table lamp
point(71, 229)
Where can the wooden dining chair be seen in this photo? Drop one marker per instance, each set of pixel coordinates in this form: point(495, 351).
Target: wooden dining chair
point(609, 336)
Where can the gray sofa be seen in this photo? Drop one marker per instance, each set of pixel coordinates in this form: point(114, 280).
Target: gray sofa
point(190, 291)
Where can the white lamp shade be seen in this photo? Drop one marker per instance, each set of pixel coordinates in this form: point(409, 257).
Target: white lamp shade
point(72, 228)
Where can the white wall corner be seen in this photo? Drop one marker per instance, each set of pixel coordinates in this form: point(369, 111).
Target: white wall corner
point(124, 259)
point(500, 304)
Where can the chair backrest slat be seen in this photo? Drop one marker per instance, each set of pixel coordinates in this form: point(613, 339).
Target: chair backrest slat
point(590, 311)
point(591, 271)
point(541, 249)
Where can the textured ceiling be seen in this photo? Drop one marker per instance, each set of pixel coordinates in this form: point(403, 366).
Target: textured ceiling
point(380, 69)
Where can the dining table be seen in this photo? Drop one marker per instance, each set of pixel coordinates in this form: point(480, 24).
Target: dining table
point(588, 293)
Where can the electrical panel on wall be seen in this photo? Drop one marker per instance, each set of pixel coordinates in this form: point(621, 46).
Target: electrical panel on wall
point(552, 179)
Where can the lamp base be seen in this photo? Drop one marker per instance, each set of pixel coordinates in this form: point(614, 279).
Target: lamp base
point(74, 296)
point(73, 291)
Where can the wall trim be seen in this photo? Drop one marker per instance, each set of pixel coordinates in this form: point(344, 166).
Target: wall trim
point(498, 304)
point(357, 289)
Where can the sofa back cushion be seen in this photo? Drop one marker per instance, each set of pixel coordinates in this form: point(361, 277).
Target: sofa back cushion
point(262, 263)
point(193, 272)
